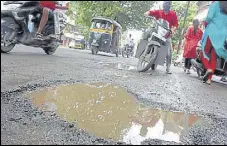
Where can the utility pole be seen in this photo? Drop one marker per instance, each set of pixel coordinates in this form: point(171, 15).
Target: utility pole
point(185, 18)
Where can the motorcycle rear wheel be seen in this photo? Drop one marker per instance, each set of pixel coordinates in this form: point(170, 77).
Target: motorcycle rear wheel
point(5, 33)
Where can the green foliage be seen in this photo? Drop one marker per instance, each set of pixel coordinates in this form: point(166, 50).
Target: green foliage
point(129, 13)
point(179, 7)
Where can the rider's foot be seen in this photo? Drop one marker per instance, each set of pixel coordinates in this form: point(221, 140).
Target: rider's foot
point(38, 36)
point(168, 72)
point(208, 81)
point(208, 72)
point(188, 71)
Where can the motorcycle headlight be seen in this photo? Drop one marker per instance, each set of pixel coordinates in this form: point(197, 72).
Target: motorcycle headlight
point(94, 41)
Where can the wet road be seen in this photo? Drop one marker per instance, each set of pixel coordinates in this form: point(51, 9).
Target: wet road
point(26, 69)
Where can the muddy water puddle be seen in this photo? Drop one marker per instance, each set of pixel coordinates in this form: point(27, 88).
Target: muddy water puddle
point(109, 111)
point(119, 66)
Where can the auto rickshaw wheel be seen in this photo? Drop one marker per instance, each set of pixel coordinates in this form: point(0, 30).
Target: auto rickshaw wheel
point(94, 50)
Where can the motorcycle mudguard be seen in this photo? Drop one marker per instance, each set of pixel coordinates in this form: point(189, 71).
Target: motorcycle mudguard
point(9, 22)
point(161, 57)
point(142, 46)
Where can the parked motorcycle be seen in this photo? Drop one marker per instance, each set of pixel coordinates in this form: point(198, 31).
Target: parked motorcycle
point(149, 50)
point(20, 22)
point(127, 51)
point(221, 65)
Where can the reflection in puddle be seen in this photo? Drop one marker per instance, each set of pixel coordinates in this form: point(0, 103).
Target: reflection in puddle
point(108, 111)
point(119, 66)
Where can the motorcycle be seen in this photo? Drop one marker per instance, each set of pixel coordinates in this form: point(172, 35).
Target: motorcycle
point(221, 64)
point(149, 50)
point(127, 51)
point(15, 22)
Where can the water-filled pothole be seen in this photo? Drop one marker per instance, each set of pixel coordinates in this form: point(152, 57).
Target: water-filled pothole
point(108, 111)
point(119, 66)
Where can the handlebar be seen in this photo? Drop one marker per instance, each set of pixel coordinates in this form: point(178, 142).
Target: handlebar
point(153, 18)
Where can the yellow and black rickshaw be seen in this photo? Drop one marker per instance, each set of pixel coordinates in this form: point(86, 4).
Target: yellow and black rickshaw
point(77, 44)
point(105, 35)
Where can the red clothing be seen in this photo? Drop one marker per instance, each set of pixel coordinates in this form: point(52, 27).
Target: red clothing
point(171, 17)
point(191, 41)
point(48, 4)
point(212, 63)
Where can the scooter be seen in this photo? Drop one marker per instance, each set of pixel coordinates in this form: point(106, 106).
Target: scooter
point(149, 49)
point(221, 65)
point(21, 14)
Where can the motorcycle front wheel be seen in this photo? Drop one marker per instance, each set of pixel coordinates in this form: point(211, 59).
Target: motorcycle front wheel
point(147, 58)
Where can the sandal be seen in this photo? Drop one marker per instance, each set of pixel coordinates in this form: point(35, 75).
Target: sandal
point(39, 36)
point(208, 82)
point(208, 72)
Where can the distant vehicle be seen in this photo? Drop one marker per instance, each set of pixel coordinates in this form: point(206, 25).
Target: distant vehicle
point(78, 44)
point(127, 51)
point(103, 36)
point(19, 24)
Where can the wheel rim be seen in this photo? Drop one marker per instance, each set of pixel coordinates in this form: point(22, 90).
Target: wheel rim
point(146, 56)
point(4, 41)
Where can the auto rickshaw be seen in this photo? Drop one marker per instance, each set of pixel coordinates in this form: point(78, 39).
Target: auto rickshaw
point(105, 35)
point(77, 44)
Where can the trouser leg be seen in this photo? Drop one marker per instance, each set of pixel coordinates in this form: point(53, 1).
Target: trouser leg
point(169, 55)
point(212, 62)
point(186, 63)
point(189, 63)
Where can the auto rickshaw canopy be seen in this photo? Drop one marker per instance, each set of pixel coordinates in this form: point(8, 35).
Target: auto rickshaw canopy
point(106, 19)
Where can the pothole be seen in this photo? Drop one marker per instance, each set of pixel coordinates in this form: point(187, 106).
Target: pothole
point(120, 66)
point(109, 111)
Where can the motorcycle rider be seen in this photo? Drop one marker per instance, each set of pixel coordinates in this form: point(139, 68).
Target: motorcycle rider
point(47, 7)
point(130, 42)
point(171, 17)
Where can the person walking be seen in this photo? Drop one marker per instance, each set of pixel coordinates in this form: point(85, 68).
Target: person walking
point(192, 37)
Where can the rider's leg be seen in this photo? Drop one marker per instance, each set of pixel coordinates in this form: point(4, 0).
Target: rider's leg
point(185, 64)
point(210, 65)
point(212, 62)
point(168, 56)
point(43, 21)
